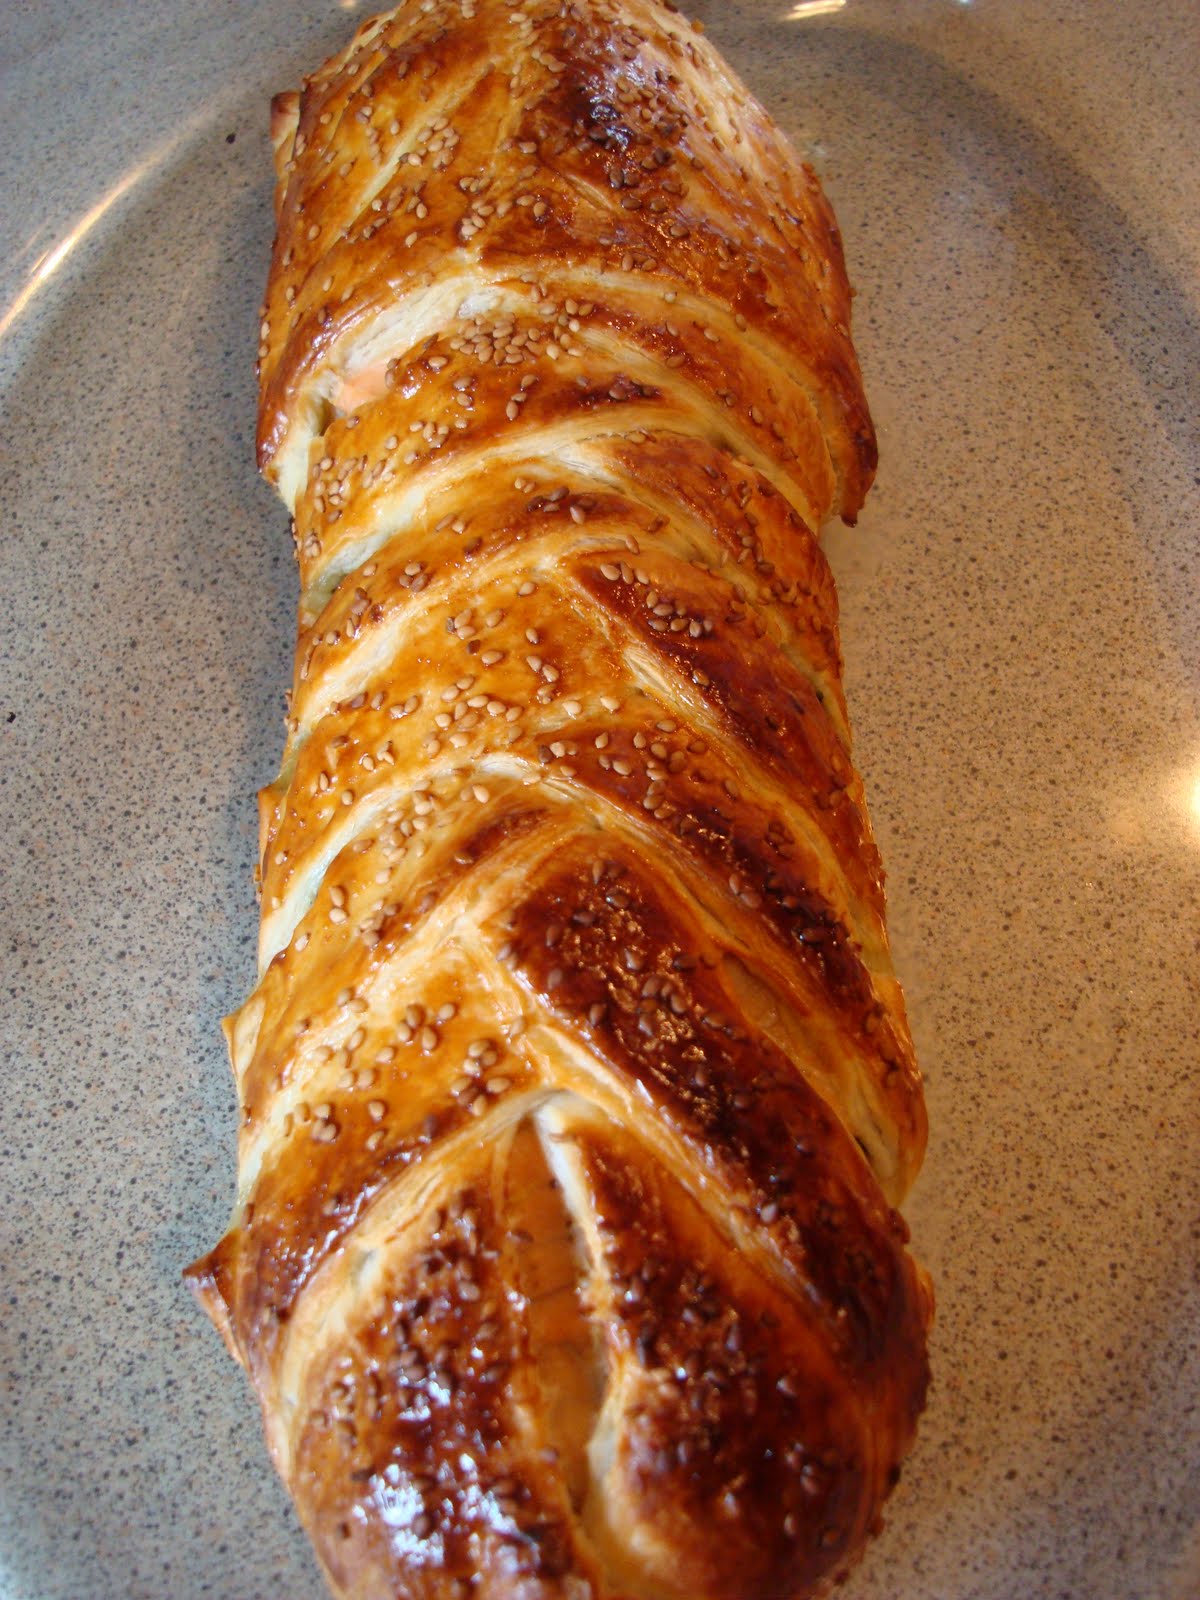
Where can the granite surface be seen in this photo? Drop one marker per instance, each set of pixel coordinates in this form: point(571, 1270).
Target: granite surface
point(1018, 183)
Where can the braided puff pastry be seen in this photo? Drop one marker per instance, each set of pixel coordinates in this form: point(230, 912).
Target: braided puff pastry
point(577, 1092)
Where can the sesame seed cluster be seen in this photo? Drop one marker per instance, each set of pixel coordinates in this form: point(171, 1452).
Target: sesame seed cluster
point(577, 1091)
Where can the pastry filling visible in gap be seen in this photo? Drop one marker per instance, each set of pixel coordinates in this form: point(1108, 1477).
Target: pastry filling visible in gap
point(552, 1273)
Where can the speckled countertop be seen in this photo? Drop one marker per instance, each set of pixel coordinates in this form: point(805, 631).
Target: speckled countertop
point(1019, 187)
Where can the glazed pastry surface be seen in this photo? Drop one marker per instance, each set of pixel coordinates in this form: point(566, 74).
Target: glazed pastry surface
point(577, 1091)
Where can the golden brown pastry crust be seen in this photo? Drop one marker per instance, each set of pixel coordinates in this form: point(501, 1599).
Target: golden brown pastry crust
point(577, 1089)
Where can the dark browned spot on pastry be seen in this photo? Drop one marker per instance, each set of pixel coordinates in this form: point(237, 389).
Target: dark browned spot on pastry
point(307, 1201)
point(630, 978)
point(413, 1437)
point(737, 1425)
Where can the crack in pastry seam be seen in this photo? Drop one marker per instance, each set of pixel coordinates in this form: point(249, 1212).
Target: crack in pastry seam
point(676, 1153)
